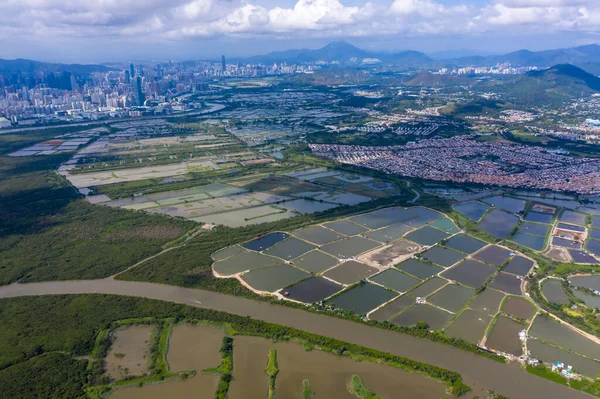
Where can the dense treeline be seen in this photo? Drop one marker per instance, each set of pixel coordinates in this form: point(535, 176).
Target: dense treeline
point(34, 326)
point(48, 233)
point(55, 376)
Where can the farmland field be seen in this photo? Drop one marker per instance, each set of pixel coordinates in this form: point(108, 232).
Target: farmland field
point(395, 280)
point(553, 292)
point(470, 273)
point(452, 297)
point(473, 210)
point(350, 272)
point(273, 278)
point(363, 298)
point(552, 331)
point(518, 307)
point(519, 266)
point(419, 269)
point(505, 336)
point(465, 244)
point(499, 223)
point(435, 318)
point(494, 255)
point(313, 289)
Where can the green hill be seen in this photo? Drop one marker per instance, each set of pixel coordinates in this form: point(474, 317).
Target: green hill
point(559, 83)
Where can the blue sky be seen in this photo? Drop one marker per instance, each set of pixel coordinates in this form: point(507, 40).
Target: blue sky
point(123, 30)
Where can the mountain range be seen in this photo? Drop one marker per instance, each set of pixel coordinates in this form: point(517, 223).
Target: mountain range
point(586, 57)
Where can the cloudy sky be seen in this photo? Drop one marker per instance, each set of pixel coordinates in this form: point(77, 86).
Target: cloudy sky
point(124, 30)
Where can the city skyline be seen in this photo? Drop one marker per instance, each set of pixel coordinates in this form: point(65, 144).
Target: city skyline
point(107, 31)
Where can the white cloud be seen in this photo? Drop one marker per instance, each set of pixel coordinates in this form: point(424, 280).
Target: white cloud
point(184, 19)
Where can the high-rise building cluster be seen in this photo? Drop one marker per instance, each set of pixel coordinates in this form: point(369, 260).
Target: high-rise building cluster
point(40, 96)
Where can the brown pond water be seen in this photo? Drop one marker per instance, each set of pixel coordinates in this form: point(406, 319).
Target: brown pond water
point(328, 374)
point(191, 347)
point(128, 354)
point(478, 372)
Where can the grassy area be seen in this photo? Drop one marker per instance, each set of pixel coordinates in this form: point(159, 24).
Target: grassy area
point(358, 389)
point(545, 372)
point(272, 370)
point(307, 392)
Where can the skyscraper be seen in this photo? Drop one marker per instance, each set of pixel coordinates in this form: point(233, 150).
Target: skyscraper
point(132, 71)
point(127, 76)
point(223, 65)
point(139, 94)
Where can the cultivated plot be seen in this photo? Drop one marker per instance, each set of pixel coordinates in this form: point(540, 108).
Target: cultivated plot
point(507, 283)
point(593, 246)
point(306, 207)
point(318, 235)
point(565, 243)
point(452, 297)
point(472, 209)
point(435, 318)
point(518, 307)
point(315, 261)
point(573, 217)
point(363, 298)
point(536, 243)
point(582, 257)
point(290, 248)
point(594, 233)
point(446, 225)
point(552, 331)
point(494, 255)
point(442, 256)
point(589, 282)
point(396, 214)
point(225, 253)
point(428, 287)
point(389, 234)
point(419, 269)
point(499, 223)
point(571, 227)
point(469, 325)
point(553, 292)
point(504, 336)
point(519, 265)
point(427, 236)
point(538, 217)
point(510, 204)
point(470, 273)
point(350, 272)
point(350, 247)
point(243, 261)
point(345, 227)
point(393, 308)
point(273, 278)
point(311, 290)
point(487, 302)
point(465, 244)
point(396, 280)
point(265, 242)
point(534, 228)
point(550, 354)
point(371, 221)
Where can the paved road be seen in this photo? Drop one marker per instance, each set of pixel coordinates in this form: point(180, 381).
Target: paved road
point(478, 372)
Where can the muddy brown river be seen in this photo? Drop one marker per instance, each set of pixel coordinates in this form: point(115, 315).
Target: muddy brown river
point(478, 372)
